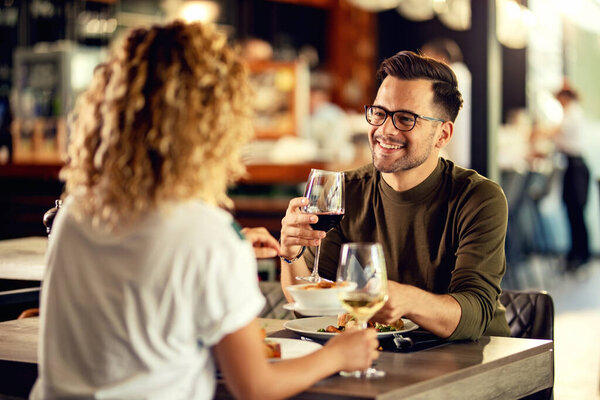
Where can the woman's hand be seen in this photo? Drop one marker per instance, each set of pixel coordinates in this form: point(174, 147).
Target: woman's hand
point(264, 245)
point(354, 349)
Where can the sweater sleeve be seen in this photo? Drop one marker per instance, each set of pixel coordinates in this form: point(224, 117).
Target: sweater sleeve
point(480, 260)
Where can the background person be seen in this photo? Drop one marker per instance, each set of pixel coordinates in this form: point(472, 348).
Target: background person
point(576, 179)
point(442, 227)
point(149, 282)
point(448, 51)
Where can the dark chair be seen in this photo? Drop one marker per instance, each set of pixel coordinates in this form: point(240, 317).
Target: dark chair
point(274, 301)
point(530, 314)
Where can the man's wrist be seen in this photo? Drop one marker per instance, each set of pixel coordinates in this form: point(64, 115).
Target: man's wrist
point(296, 257)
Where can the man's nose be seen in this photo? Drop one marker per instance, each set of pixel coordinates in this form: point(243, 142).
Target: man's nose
point(388, 127)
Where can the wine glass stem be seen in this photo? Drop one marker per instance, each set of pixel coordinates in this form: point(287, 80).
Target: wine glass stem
point(315, 271)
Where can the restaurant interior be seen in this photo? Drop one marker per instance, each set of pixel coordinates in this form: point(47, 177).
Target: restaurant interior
point(312, 65)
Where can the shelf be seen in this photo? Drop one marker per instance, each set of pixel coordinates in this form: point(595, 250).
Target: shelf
point(263, 174)
point(30, 171)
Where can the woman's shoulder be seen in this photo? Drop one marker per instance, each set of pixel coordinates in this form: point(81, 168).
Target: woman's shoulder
point(202, 220)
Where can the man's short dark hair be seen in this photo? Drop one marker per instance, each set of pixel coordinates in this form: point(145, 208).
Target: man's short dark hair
point(407, 65)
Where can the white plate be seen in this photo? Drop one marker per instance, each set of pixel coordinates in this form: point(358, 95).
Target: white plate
point(314, 312)
point(293, 348)
point(309, 327)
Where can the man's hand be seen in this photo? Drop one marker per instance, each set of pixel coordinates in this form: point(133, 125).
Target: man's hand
point(395, 307)
point(437, 313)
point(264, 245)
point(295, 229)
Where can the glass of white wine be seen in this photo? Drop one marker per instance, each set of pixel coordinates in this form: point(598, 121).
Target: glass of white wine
point(362, 267)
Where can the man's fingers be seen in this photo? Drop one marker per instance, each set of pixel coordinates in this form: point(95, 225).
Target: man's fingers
point(295, 204)
point(299, 219)
point(296, 241)
point(292, 236)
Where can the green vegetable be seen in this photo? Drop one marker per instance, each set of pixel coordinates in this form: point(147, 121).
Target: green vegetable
point(384, 328)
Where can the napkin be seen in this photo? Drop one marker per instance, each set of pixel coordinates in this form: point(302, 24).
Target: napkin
point(410, 342)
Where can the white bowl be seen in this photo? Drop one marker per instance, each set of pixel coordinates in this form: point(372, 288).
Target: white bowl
point(307, 297)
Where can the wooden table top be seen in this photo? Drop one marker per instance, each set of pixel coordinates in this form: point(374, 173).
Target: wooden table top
point(23, 258)
point(19, 339)
point(491, 368)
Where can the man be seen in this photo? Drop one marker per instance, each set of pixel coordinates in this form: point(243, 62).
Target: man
point(442, 227)
point(576, 179)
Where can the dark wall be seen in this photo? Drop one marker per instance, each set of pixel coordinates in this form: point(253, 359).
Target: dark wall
point(514, 66)
point(281, 24)
point(397, 33)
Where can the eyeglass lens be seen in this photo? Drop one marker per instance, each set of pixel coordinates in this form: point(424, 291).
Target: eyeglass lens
point(402, 120)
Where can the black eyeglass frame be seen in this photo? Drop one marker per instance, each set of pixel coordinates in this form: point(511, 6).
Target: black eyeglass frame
point(391, 114)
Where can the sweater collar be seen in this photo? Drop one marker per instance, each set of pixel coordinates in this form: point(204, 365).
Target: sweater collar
point(419, 192)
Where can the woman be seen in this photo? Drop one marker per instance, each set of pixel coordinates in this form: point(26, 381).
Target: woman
point(149, 282)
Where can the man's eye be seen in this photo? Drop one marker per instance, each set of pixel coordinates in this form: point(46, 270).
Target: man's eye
point(405, 119)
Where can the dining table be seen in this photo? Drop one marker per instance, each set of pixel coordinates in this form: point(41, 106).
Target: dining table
point(23, 258)
point(489, 368)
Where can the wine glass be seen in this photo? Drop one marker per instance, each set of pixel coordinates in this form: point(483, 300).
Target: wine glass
point(325, 193)
point(362, 269)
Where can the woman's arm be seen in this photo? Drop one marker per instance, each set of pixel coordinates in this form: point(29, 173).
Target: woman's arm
point(248, 374)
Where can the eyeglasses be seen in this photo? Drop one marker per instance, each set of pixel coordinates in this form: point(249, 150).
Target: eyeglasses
point(403, 120)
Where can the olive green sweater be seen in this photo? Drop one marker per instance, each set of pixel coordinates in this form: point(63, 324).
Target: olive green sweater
point(445, 235)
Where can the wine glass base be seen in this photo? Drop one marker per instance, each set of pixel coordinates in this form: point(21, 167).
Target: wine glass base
point(368, 373)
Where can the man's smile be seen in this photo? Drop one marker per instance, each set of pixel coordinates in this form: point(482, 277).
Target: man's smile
point(389, 145)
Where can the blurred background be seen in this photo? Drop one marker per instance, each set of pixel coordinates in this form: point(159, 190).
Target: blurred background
point(313, 65)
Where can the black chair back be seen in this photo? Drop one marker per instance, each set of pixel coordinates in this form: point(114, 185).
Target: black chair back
point(530, 314)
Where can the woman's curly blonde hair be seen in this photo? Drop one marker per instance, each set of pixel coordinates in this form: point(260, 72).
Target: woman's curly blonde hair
point(163, 120)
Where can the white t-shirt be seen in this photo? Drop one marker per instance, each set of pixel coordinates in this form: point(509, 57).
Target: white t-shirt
point(570, 134)
point(135, 314)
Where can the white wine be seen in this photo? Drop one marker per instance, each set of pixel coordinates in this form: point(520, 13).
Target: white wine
point(361, 306)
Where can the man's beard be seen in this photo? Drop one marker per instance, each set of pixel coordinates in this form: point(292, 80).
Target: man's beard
point(406, 162)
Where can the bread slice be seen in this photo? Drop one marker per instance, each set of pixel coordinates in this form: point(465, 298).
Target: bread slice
point(348, 321)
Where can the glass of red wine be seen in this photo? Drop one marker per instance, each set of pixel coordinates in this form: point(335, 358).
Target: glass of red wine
point(325, 194)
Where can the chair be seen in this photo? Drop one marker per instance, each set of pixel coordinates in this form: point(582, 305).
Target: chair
point(530, 314)
point(274, 301)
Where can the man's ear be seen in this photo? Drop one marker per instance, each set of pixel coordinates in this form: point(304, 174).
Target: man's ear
point(447, 130)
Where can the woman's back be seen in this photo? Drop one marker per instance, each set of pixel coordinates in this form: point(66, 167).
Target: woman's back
point(133, 314)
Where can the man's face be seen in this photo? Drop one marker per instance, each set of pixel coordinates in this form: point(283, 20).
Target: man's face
point(394, 150)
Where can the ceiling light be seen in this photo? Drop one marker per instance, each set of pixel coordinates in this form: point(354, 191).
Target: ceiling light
point(203, 11)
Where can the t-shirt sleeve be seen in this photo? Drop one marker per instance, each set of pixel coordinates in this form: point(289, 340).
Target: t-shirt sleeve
point(230, 297)
point(480, 259)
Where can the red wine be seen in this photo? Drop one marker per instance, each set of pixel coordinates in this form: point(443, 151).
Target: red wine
point(326, 221)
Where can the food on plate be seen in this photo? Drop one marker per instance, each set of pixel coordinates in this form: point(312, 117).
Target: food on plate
point(323, 285)
point(347, 321)
point(272, 349)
